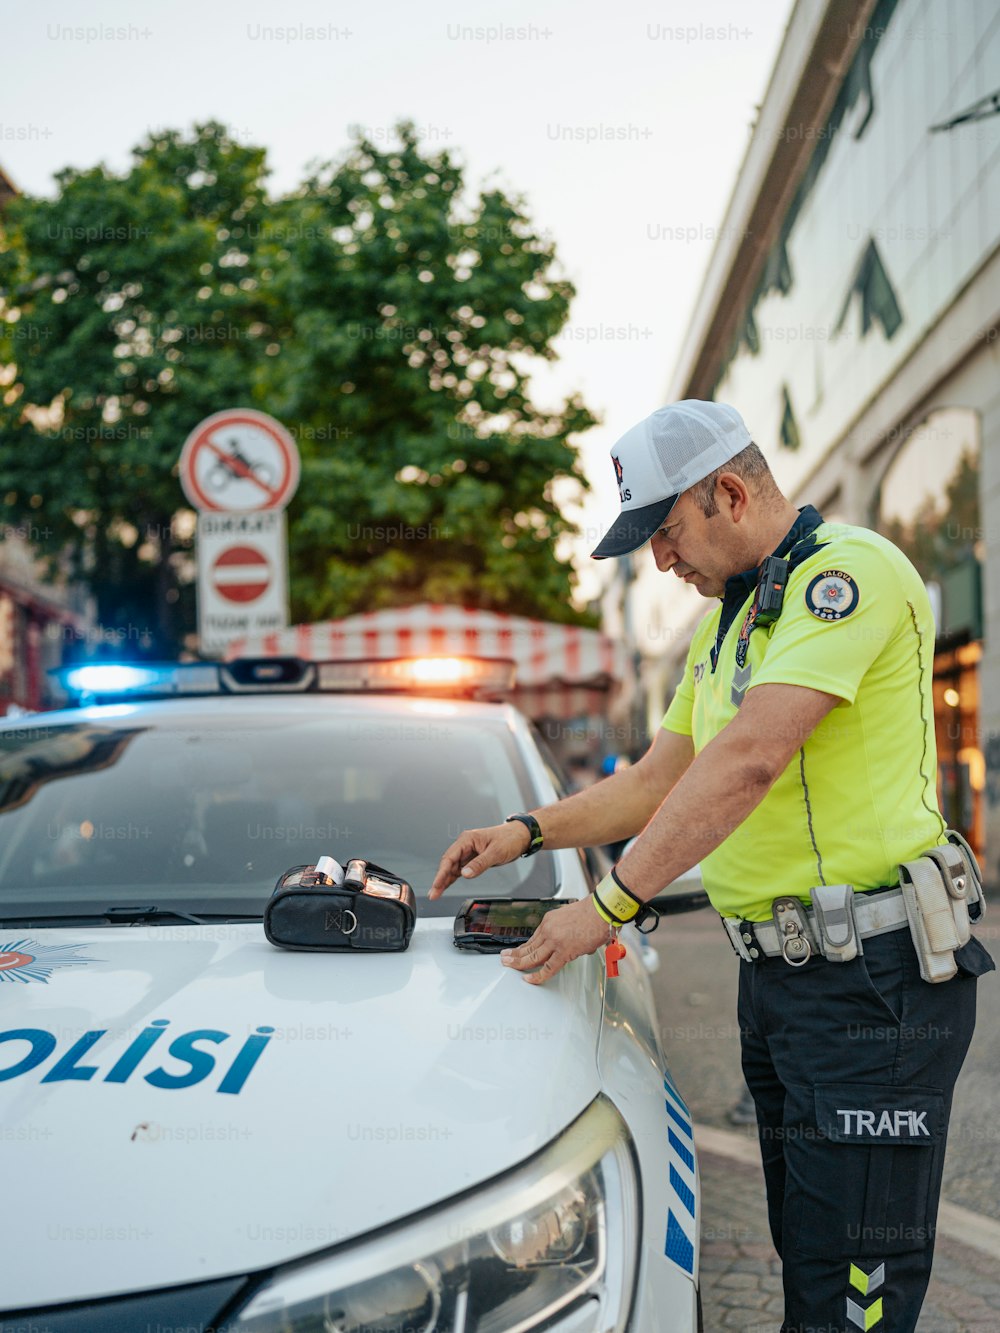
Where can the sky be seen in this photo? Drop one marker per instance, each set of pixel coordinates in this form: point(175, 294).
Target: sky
point(622, 125)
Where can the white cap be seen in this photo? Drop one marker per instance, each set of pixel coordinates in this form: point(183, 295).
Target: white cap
point(663, 456)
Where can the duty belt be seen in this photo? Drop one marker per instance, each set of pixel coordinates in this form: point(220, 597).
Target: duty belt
point(935, 900)
point(798, 938)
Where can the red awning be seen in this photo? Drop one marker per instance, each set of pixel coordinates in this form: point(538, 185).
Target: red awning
point(548, 656)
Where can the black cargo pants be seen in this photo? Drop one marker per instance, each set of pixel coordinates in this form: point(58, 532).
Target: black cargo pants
point(852, 1068)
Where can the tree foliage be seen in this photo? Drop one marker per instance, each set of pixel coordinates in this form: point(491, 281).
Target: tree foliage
point(390, 321)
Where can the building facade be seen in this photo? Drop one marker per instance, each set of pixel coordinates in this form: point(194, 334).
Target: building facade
point(851, 311)
point(43, 624)
point(43, 620)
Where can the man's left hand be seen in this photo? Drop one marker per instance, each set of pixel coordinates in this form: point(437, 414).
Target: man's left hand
point(563, 935)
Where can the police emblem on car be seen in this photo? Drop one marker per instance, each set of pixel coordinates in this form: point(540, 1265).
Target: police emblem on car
point(832, 595)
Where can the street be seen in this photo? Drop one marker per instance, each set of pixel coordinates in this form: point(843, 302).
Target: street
point(695, 989)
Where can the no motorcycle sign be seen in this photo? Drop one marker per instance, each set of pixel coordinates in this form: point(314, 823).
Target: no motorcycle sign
point(238, 461)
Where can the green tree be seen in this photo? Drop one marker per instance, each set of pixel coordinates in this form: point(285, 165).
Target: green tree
point(389, 321)
point(123, 296)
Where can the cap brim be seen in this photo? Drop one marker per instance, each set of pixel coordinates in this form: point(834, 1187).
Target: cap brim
point(633, 529)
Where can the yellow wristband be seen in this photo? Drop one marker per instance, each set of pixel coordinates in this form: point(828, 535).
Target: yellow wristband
point(619, 904)
point(601, 912)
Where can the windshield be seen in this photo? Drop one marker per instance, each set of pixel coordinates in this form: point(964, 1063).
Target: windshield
point(202, 813)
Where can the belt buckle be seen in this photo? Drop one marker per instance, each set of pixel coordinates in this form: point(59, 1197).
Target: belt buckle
point(792, 926)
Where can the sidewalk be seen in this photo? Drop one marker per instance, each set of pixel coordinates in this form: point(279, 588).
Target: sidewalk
point(741, 1274)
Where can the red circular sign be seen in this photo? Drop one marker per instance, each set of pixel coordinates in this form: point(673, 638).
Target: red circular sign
point(241, 574)
point(239, 461)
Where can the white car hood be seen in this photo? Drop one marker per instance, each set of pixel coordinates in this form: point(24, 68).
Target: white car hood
point(389, 1082)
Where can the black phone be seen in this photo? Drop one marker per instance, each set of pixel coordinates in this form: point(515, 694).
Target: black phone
point(487, 925)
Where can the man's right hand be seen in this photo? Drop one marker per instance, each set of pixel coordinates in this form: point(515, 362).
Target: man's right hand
point(477, 850)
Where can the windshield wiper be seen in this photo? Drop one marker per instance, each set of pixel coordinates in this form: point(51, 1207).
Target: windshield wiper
point(134, 914)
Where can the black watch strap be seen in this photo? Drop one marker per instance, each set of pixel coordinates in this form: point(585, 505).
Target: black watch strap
point(531, 824)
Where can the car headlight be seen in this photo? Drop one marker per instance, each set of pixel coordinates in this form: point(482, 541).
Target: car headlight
point(558, 1236)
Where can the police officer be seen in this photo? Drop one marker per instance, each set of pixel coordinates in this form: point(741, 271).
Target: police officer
point(798, 752)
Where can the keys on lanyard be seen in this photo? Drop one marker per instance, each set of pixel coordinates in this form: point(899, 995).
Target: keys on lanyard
point(614, 952)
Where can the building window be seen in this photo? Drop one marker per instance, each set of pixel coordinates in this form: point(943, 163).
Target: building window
point(928, 501)
point(928, 505)
point(790, 437)
point(878, 297)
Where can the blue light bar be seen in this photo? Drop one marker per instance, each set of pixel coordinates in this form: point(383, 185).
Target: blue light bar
point(109, 678)
point(97, 682)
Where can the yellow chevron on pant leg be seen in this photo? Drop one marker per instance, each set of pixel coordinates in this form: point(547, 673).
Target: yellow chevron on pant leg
point(866, 1283)
point(873, 1314)
point(862, 1318)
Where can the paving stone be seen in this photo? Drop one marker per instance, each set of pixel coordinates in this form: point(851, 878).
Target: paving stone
point(756, 1266)
point(730, 1319)
point(743, 1300)
point(736, 1280)
point(765, 1252)
point(715, 1263)
point(758, 1323)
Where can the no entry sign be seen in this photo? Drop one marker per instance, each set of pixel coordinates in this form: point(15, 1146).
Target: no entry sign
point(242, 576)
point(239, 461)
point(241, 573)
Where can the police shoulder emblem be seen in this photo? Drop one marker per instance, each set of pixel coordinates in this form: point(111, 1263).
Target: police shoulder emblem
point(832, 595)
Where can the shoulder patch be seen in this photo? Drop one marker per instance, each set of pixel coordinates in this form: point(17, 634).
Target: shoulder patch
point(832, 595)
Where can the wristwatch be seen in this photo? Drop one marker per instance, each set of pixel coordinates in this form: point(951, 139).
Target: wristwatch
point(531, 824)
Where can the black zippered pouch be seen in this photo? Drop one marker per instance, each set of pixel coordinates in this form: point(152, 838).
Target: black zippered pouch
point(373, 911)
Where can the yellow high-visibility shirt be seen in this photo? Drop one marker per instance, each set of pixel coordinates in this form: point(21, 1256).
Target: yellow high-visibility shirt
point(860, 795)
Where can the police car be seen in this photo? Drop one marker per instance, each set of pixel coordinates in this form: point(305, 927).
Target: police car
point(203, 1131)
